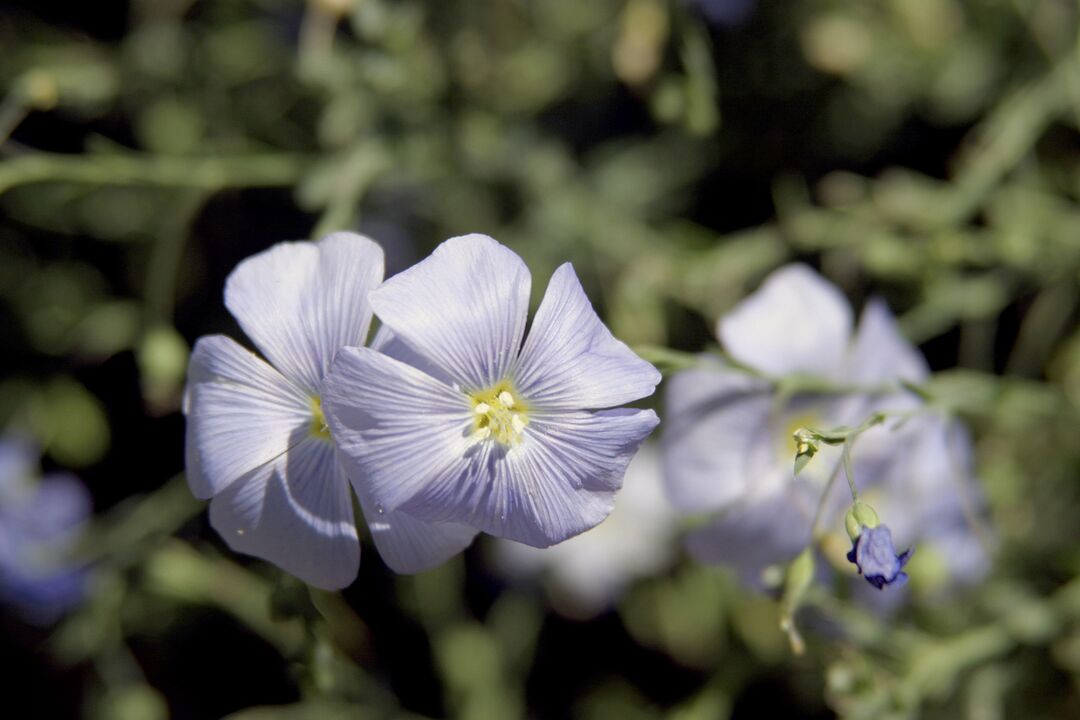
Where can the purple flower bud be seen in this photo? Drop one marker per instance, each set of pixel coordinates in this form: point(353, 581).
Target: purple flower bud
point(875, 557)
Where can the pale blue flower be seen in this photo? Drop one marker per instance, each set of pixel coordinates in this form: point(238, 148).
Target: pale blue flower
point(257, 441)
point(458, 420)
point(876, 558)
point(40, 523)
point(727, 442)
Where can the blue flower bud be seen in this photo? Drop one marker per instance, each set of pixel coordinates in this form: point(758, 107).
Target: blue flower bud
point(875, 557)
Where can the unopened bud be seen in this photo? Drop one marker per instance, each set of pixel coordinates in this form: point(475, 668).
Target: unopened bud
point(805, 448)
point(799, 576)
point(859, 516)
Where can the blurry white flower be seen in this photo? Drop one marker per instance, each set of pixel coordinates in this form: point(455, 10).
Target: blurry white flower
point(589, 573)
point(257, 441)
point(930, 496)
point(728, 446)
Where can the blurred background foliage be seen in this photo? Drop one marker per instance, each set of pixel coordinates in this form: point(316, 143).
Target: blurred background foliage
point(923, 150)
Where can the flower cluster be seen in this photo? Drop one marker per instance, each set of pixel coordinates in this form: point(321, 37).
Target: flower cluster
point(794, 361)
point(40, 522)
point(450, 423)
point(454, 422)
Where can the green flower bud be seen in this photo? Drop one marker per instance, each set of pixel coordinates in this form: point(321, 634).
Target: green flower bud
point(799, 576)
point(860, 515)
point(805, 448)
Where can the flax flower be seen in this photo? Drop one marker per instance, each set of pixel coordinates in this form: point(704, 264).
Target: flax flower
point(460, 420)
point(257, 441)
point(728, 447)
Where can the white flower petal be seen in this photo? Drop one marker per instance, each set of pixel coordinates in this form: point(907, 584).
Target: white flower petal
point(795, 322)
point(241, 414)
point(717, 430)
point(571, 361)
point(560, 480)
point(295, 512)
point(463, 308)
point(592, 570)
point(749, 537)
point(408, 545)
point(880, 354)
point(300, 302)
point(397, 427)
point(391, 345)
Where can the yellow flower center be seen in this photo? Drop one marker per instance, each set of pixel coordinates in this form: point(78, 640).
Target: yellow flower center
point(499, 413)
point(319, 428)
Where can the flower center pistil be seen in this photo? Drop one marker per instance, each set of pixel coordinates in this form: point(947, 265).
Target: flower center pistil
point(319, 428)
point(499, 414)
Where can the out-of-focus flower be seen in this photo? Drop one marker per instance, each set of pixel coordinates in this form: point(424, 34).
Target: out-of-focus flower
point(727, 13)
point(257, 441)
point(875, 557)
point(457, 420)
point(40, 523)
point(590, 572)
point(728, 446)
point(929, 495)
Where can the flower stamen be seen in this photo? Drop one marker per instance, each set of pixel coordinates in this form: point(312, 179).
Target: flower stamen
point(319, 428)
point(499, 414)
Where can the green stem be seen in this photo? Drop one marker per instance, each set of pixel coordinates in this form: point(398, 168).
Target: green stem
point(158, 514)
point(669, 360)
point(179, 572)
point(819, 512)
point(365, 163)
point(167, 253)
point(206, 173)
point(1005, 138)
point(845, 460)
point(13, 110)
point(665, 359)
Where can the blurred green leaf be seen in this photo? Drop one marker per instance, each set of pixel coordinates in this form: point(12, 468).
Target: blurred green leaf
point(70, 422)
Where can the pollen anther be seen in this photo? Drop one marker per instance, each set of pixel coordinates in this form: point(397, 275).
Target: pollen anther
point(499, 414)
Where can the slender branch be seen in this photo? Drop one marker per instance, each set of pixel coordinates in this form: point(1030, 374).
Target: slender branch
point(207, 173)
point(12, 112)
point(666, 359)
point(167, 253)
point(845, 461)
point(1006, 136)
point(820, 511)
